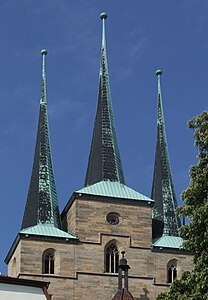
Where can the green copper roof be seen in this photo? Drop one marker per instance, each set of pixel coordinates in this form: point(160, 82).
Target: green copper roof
point(104, 159)
point(40, 230)
point(113, 189)
point(162, 188)
point(42, 203)
point(47, 230)
point(168, 242)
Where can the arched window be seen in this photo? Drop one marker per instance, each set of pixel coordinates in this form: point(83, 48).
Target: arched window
point(48, 261)
point(171, 270)
point(111, 258)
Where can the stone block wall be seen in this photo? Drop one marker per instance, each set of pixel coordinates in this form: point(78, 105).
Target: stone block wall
point(87, 219)
point(80, 268)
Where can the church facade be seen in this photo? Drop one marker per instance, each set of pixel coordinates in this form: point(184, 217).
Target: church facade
point(78, 251)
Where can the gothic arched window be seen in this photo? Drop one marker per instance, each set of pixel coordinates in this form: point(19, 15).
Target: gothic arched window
point(171, 270)
point(48, 261)
point(111, 258)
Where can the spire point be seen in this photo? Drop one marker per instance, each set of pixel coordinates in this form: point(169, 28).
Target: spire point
point(158, 72)
point(104, 160)
point(43, 52)
point(42, 203)
point(165, 220)
point(103, 15)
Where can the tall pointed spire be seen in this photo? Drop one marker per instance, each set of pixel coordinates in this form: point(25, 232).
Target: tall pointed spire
point(162, 189)
point(42, 204)
point(104, 159)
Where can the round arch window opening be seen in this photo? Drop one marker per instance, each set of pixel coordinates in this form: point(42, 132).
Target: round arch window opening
point(113, 218)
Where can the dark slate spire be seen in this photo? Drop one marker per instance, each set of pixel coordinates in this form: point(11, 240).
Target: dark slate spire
point(162, 189)
point(104, 159)
point(42, 204)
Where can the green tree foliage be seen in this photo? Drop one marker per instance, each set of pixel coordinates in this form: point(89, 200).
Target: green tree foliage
point(194, 285)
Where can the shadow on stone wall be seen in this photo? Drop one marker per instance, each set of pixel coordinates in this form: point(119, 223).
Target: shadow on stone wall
point(143, 297)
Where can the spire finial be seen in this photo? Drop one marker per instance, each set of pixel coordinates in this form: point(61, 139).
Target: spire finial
point(158, 72)
point(44, 52)
point(43, 93)
point(103, 15)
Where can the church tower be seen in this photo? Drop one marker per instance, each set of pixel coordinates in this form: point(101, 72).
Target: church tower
point(104, 181)
point(165, 220)
point(41, 237)
point(79, 251)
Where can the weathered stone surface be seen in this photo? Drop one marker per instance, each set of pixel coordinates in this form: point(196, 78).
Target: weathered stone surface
point(79, 268)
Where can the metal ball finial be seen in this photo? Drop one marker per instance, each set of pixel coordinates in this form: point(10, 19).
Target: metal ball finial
point(103, 15)
point(44, 52)
point(158, 72)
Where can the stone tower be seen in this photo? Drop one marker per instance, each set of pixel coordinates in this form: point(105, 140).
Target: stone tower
point(80, 254)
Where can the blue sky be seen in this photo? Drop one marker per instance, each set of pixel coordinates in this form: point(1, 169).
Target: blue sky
point(142, 36)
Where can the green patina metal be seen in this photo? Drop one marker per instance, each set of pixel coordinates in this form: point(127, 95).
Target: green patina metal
point(104, 159)
point(104, 175)
point(42, 204)
point(162, 189)
point(174, 242)
point(115, 189)
point(47, 230)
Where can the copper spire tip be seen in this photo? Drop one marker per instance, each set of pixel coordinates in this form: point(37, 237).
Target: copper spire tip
point(158, 72)
point(103, 15)
point(44, 52)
